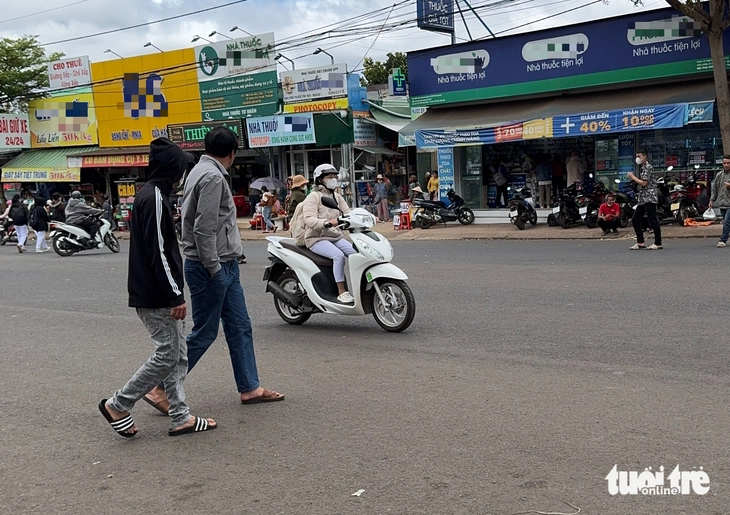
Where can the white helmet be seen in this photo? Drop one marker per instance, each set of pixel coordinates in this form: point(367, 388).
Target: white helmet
point(323, 170)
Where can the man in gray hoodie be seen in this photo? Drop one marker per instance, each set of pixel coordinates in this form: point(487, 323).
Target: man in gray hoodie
point(721, 198)
point(212, 246)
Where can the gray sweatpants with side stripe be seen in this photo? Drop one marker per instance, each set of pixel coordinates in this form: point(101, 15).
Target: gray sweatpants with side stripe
point(169, 363)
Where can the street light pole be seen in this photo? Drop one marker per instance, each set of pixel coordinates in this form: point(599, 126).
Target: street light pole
point(281, 56)
point(236, 27)
point(153, 46)
point(196, 38)
point(220, 34)
point(320, 51)
point(110, 51)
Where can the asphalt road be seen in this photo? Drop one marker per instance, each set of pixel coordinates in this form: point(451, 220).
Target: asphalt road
point(531, 369)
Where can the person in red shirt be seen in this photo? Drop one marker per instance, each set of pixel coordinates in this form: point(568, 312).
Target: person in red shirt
point(609, 218)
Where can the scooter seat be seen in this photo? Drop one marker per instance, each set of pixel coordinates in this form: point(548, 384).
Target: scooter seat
point(304, 251)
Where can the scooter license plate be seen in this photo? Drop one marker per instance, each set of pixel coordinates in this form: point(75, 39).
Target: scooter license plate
point(582, 210)
point(513, 213)
point(675, 206)
point(369, 277)
point(556, 210)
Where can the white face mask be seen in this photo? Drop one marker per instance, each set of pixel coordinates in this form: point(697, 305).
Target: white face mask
point(330, 183)
point(639, 161)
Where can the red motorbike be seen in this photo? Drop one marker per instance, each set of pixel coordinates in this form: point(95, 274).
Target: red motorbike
point(688, 200)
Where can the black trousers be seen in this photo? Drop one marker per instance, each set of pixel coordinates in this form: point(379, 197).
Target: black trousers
point(502, 192)
point(608, 225)
point(90, 226)
point(650, 211)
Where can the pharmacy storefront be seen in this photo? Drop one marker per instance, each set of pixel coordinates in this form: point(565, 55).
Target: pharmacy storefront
point(564, 91)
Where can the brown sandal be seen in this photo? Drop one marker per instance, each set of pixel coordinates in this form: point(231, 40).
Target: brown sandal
point(266, 396)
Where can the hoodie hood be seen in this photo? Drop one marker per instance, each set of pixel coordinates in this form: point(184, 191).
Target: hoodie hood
point(75, 202)
point(168, 163)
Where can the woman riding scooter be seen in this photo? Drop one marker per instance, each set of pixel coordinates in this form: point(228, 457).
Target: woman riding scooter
point(322, 235)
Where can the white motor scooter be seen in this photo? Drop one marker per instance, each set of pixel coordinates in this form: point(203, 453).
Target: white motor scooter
point(66, 238)
point(303, 283)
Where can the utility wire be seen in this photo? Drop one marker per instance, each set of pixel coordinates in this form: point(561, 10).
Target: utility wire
point(43, 12)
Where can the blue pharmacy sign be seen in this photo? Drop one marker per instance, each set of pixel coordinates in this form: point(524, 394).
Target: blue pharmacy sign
point(652, 45)
point(436, 15)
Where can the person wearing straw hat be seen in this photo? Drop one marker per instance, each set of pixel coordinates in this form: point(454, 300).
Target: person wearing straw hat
point(381, 198)
point(298, 193)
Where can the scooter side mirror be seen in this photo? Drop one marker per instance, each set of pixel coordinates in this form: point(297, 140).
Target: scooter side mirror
point(330, 203)
point(670, 168)
point(509, 188)
point(617, 181)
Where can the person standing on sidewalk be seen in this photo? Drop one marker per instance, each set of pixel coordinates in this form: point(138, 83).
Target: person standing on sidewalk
point(720, 197)
point(155, 286)
point(39, 223)
point(545, 181)
point(19, 215)
point(211, 246)
point(380, 189)
point(647, 199)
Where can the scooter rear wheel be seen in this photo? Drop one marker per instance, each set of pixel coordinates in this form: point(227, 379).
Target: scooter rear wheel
point(519, 221)
point(289, 283)
point(62, 248)
point(402, 305)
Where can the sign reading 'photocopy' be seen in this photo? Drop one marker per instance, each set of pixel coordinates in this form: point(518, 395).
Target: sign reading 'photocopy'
point(315, 89)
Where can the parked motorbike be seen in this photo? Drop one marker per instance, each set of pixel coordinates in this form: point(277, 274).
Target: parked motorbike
point(626, 202)
point(69, 239)
point(687, 200)
point(432, 212)
point(303, 283)
point(8, 235)
point(567, 212)
point(522, 208)
point(590, 203)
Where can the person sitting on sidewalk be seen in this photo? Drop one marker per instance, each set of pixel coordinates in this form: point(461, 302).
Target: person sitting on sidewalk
point(609, 215)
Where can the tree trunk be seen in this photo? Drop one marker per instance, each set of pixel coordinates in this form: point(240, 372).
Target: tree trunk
point(714, 32)
point(717, 53)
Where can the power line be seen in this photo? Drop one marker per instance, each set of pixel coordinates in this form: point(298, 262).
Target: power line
point(145, 24)
point(44, 12)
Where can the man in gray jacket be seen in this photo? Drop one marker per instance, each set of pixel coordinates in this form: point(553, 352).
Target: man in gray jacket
point(212, 246)
point(78, 212)
point(721, 198)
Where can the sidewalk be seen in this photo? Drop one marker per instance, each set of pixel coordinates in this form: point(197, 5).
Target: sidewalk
point(456, 231)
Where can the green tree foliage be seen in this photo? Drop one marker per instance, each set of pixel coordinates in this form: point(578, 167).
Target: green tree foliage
point(23, 72)
point(713, 23)
point(376, 72)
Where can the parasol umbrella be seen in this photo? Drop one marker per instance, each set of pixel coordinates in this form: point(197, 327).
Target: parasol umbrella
point(270, 182)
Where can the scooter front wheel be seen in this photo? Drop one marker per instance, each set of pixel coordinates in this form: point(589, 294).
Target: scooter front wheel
point(289, 283)
point(400, 306)
point(466, 216)
point(112, 242)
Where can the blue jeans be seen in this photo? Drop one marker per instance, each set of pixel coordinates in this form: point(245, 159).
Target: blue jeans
point(725, 214)
point(267, 218)
point(215, 299)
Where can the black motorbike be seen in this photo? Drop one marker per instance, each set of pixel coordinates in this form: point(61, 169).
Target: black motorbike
point(431, 212)
point(567, 211)
point(522, 208)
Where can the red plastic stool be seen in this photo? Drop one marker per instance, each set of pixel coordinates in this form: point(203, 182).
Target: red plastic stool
point(405, 221)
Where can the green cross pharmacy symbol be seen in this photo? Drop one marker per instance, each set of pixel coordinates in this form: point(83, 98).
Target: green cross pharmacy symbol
point(398, 78)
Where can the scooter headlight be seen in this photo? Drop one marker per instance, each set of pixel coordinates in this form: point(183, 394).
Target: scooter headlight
point(372, 251)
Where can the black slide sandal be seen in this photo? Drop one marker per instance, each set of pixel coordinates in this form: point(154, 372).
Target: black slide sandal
point(120, 426)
